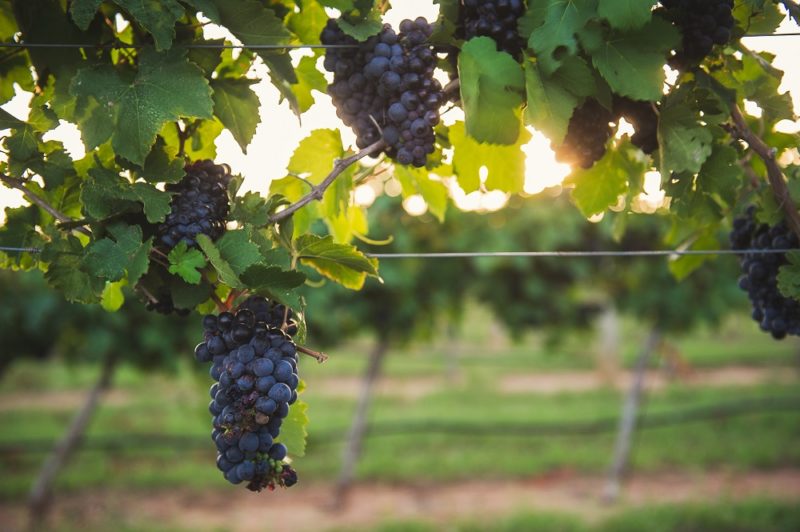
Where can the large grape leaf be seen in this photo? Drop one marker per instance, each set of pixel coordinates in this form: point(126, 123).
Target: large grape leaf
point(165, 88)
point(106, 193)
point(600, 187)
point(685, 143)
point(237, 107)
point(341, 263)
point(110, 258)
point(505, 165)
point(626, 14)
point(553, 33)
point(157, 17)
point(315, 155)
point(552, 100)
point(632, 62)
point(65, 271)
point(492, 89)
point(418, 181)
point(789, 276)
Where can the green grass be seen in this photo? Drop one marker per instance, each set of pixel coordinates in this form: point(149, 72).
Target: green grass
point(745, 516)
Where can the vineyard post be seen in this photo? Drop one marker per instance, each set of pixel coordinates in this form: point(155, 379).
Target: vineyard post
point(627, 423)
point(358, 429)
point(40, 497)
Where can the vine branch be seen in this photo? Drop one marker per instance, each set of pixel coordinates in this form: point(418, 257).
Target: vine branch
point(318, 191)
point(774, 172)
point(793, 9)
point(41, 202)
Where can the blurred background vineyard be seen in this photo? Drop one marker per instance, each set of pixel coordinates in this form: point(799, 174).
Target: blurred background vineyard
point(500, 385)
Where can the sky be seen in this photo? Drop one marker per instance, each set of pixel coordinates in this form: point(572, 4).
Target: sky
point(280, 131)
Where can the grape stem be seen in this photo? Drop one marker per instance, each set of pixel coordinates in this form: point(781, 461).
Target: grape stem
point(19, 184)
point(774, 172)
point(318, 191)
point(316, 355)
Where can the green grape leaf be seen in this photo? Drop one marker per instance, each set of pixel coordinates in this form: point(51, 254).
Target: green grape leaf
point(293, 430)
point(157, 17)
point(600, 187)
point(552, 100)
point(626, 14)
point(166, 88)
point(558, 22)
point(505, 165)
point(163, 164)
point(225, 271)
point(65, 272)
point(308, 23)
point(110, 258)
point(685, 143)
point(315, 155)
point(251, 209)
point(272, 279)
point(189, 296)
point(341, 263)
point(186, 262)
point(238, 251)
point(83, 12)
point(106, 193)
point(362, 29)
point(418, 181)
point(237, 107)
point(308, 79)
point(789, 276)
point(9, 121)
point(632, 62)
point(492, 90)
point(683, 266)
point(207, 7)
point(113, 298)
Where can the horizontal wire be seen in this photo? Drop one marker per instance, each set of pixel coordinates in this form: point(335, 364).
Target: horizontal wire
point(539, 254)
point(222, 46)
point(191, 45)
point(577, 254)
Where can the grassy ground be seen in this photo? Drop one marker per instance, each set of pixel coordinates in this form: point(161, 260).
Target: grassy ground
point(452, 431)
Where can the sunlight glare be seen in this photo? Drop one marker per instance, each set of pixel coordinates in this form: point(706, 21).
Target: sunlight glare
point(542, 170)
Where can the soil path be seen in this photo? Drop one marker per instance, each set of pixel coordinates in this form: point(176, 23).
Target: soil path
point(304, 508)
point(413, 388)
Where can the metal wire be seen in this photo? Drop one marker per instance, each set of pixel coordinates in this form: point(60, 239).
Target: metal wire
point(223, 46)
point(577, 254)
point(539, 254)
point(215, 46)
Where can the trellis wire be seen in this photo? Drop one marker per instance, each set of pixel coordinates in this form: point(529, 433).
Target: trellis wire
point(538, 254)
point(223, 46)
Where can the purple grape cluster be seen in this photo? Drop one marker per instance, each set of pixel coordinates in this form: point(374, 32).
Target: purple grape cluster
point(199, 205)
point(384, 88)
point(775, 313)
point(587, 135)
point(643, 117)
point(703, 23)
point(254, 364)
point(497, 19)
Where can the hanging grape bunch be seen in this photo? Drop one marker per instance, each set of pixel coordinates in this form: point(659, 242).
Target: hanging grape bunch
point(776, 314)
point(384, 88)
point(254, 364)
point(199, 206)
point(497, 19)
point(703, 23)
point(587, 135)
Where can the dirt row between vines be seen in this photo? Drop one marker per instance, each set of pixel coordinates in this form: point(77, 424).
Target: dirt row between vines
point(307, 507)
point(413, 388)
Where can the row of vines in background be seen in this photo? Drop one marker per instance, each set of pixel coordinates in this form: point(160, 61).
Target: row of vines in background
point(149, 212)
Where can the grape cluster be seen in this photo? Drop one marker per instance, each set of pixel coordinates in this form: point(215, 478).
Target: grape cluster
point(644, 119)
point(588, 132)
point(493, 18)
point(775, 313)
point(200, 205)
point(703, 23)
point(254, 364)
point(384, 88)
